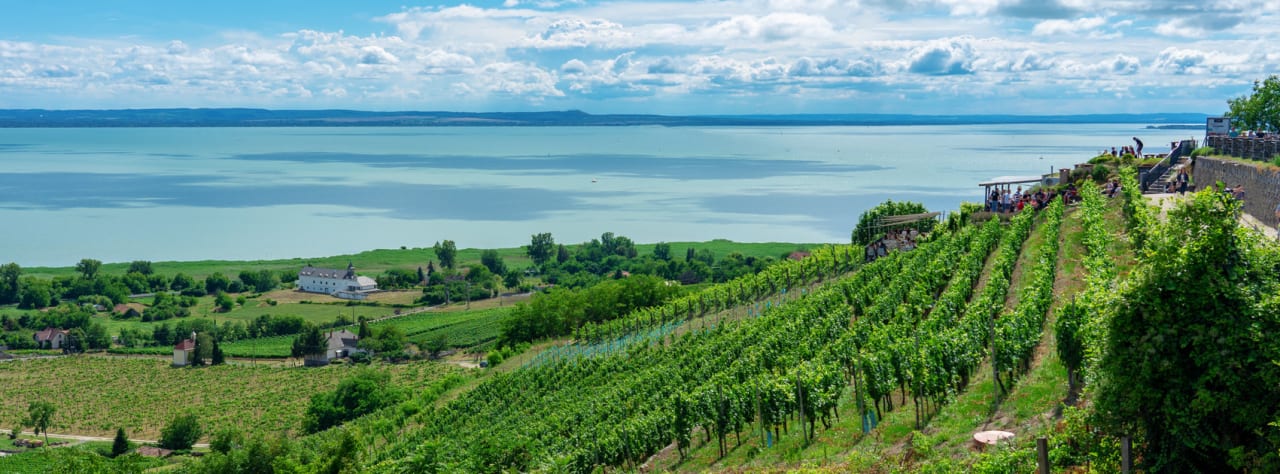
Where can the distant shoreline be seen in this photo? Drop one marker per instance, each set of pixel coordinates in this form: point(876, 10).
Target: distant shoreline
point(188, 118)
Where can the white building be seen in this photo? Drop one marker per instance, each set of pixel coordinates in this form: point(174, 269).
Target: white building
point(340, 283)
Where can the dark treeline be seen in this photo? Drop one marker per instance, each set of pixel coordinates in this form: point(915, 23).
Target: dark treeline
point(561, 310)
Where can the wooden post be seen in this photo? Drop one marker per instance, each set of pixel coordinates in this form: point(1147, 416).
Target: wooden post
point(1126, 455)
point(1042, 454)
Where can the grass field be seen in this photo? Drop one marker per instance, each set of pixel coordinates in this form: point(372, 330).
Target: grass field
point(373, 262)
point(96, 395)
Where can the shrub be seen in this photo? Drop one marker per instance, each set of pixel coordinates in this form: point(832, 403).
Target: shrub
point(1203, 151)
point(181, 433)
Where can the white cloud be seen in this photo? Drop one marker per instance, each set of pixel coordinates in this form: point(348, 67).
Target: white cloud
point(377, 55)
point(943, 57)
point(1078, 26)
point(1181, 61)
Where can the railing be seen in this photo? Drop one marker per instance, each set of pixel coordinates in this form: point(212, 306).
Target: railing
point(1146, 178)
point(1252, 148)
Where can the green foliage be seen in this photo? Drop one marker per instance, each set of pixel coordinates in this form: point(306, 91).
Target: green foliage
point(89, 267)
point(181, 433)
point(1188, 367)
point(10, 276)
point(1203, 151)
point(225, 440)
point(492, 260)
point(560, 311)
point(447, 252)
point(867, 230)
point(119, 445)
point(363, 393)
point(1100, 173)
point(540, 248)
point(40, 417)
point(1259, 110)
point(310, 342)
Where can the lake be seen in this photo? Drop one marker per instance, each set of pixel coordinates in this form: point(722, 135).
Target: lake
point(121, 194)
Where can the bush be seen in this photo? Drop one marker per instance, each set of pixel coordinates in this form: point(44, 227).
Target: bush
point(1203, 151)
point(181, 433)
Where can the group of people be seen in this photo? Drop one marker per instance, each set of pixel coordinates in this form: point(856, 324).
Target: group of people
point(902, 239)
point(1135, 150)
point(1112, 188)
point(1005, 201)
point(1179, 182)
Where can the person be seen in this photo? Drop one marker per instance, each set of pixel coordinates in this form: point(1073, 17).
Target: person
point(1278, 218)
point(1183, 178)
point(1239, 193)
point(1138, 151)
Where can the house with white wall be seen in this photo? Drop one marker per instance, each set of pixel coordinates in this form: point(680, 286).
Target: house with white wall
point(340, 283)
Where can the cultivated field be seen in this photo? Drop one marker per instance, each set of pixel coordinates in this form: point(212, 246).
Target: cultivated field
point(95, 395)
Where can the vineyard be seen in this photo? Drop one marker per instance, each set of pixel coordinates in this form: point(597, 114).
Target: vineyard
point(1024, 322)
point(902, 324)
point(95, 395)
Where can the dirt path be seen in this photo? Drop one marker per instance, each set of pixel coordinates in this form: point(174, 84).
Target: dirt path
point(82, 439)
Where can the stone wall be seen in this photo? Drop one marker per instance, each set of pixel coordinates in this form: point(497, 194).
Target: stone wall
point(1261, 185)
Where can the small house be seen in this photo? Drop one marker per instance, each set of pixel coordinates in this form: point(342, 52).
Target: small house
point(342, 344)
point(51, 338)
point(183, 352)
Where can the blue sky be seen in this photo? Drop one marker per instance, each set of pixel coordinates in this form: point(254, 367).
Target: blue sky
point(637, 56)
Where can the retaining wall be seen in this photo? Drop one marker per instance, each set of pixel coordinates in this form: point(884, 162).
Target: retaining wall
point(1261, 186)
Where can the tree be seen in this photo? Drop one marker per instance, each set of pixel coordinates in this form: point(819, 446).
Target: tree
point(1188, 366)
point(216, 282)
point(511, 279)
point(140, 266)
point(75, 341)
point(493, 261)
point(437, 344)
point(34, 293)
point(181, 282)
point(40, 417)
point(89, 268)
point(446, 252)
point(540, 248)
point(869, 225)
point(218, 358)
point(10, 273)
point(311, 341)
point(688, 254)
point(422, 276)
point(1259, 110)
point(226, 440)
point(120, 445)
point(224, 302)
point(204, 349)
point(181, 433)
point(562, 254)
point(365, 392)
point(365, 332)
point(662, 251)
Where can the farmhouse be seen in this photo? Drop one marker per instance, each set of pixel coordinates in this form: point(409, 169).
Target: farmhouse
point(340, 283)
point(183, 351)
point(339, 344)
point(342, 344)
point(51, 338)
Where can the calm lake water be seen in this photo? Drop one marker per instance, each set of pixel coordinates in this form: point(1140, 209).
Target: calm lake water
point(250, 193)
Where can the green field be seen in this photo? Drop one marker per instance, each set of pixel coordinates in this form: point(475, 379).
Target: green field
point(96, 395)
point(373, 262)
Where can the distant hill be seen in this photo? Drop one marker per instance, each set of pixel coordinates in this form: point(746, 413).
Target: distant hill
point(236, 117)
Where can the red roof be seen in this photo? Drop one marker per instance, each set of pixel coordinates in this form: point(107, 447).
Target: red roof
point(48, 333)
point(798, 255)
point(185, 345)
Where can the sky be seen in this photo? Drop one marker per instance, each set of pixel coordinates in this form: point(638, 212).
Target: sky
point(1028, 57)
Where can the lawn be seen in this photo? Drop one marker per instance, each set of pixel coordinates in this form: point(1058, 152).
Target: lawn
point(95, 395)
